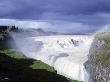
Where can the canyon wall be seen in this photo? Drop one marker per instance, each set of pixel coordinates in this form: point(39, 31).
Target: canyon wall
point(98, 64)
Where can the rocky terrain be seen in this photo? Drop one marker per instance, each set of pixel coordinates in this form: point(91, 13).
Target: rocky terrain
point(98, 64)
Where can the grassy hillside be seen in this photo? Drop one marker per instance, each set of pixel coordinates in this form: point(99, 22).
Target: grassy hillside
point(14, 67)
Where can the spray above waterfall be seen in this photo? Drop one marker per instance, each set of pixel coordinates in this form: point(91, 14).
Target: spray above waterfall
point(63, 52)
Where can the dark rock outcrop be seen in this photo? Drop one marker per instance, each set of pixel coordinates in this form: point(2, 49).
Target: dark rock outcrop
point(5, 38)
point(98, 64)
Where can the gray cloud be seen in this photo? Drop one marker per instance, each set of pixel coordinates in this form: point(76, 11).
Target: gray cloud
point(35, 9)
point(56, 26)
point(90, 13)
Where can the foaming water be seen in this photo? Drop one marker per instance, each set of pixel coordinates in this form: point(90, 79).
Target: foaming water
point(66, 53)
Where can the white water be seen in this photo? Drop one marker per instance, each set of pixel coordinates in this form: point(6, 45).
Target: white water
point(66, 53)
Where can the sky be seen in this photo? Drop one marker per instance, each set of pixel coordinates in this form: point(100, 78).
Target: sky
point(63, 15)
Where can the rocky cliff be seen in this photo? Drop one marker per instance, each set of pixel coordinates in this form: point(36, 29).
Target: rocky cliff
point(98, 64)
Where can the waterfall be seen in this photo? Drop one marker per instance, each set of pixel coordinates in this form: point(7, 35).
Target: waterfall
point(66, 53)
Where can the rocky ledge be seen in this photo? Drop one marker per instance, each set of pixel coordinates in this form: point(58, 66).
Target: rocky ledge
point(98, 64)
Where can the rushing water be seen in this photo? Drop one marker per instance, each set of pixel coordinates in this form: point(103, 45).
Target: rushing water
point(66, 53)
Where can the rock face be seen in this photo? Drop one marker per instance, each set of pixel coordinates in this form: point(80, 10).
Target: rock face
point(98, 64)
point(5, 38)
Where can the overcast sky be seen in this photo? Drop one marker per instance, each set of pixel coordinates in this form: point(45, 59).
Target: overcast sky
point(73, 15)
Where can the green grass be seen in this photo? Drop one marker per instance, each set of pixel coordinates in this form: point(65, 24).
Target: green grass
point(15, 66)
point(13, 53)
point(37, 64)
point(41, 65)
